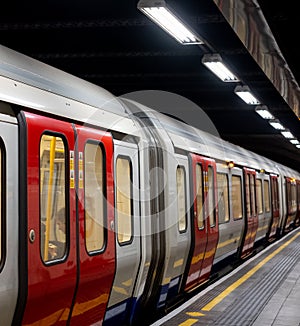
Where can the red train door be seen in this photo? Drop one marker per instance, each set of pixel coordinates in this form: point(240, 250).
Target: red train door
point(96, 218)
point(205, 220)
point(251, 212)
point(275, 206)
point(51, 251)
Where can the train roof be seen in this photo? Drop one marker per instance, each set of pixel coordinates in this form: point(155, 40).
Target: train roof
point(212, 145)
point(29, 71)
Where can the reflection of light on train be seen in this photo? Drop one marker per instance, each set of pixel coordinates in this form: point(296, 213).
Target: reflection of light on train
point(81, 238)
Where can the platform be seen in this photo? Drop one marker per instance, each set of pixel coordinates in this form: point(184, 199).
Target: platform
point(264, 291)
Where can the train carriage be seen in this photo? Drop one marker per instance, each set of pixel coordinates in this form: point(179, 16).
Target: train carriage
point(111, 211)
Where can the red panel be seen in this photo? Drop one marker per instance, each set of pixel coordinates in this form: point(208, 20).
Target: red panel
point(50, 288)
point(251, 218)
point(96, 271)
point(206, 239)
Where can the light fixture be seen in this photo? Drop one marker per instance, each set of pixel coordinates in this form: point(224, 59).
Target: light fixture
point(263, 111)
point(287, 134)
point(159, 13)
point(230, 164)
point(294, 141)
point(298, 146)
point(215, 63)
point(244, 93)
point(276, 124)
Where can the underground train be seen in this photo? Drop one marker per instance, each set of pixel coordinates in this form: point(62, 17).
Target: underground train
point(111, 211)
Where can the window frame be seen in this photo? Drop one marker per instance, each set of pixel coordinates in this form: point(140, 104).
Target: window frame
point(228, 200)
point(66, 201)
point(3, 217)
point(127, 242)
point(182, 167)
point(241, 196)
point(104, 193)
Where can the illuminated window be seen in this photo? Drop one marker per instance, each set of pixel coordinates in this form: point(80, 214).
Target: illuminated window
point(211, 196)
point(1, 217)
point(181, 198)
point(252, 193)
point(124, 199)
point(267, 196)
point(199, 196)
point(223, 202)
point(52, 198)
point(236, 196)
point(259, 195)
point(94, 196)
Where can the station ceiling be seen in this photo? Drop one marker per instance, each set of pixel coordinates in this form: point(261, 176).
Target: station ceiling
point(112, 44)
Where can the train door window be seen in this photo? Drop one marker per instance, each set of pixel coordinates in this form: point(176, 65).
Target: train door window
point(211, 196)
point(223, 202)
point(1, 215)
point(293, 197)
point(124, 199)
point(259, 196)
point(236, 197)
point(252, 193)
point(248, 200)
point(275, 195)
point(267, 196)
point(53, 197)
point(181, 198)
point(94, 196)
point(199, 196)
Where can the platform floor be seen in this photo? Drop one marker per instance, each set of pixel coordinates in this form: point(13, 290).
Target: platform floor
point(264, 291)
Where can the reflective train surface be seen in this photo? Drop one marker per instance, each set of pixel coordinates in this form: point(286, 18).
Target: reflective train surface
point(111, 211)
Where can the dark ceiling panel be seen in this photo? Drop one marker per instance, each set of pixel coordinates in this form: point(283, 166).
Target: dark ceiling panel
point(112, 44)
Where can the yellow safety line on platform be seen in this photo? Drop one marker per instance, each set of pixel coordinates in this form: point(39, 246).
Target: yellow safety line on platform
point(244, 278)
point(189, 322)
point(195, 314)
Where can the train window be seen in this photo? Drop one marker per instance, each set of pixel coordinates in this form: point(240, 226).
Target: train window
point(53, 197)
point(223, 202)
point(248, 200)
point(211, 197)
point(124, 199)
point(259, 196)
point(199, 196)
point(267, 196)
point(236, 196)
point(94, 196)
point(252, 192)
point(275, 194)
point(1, 216)
point(181, 198)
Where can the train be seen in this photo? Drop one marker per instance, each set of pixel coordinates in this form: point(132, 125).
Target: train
point(111, 211)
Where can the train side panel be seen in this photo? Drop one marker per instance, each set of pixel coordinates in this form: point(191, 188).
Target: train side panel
point(9, 222)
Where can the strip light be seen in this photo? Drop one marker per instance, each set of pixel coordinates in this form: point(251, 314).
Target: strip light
point(287, 134)
point(158, 12)
point(295, 141)
point(244, 93)
point(215, 63)
point(263, 111)
point(276, 124)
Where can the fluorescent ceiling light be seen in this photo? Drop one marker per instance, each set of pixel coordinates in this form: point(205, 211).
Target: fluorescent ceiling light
point(276, 124)
point(158, 12)
point(244, 93)
point(287, 134)
point(215, 63)
point(295, 141)
point(298, 146)
point(263, 111)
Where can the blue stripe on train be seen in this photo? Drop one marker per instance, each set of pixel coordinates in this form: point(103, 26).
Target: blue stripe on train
point(168, 291)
